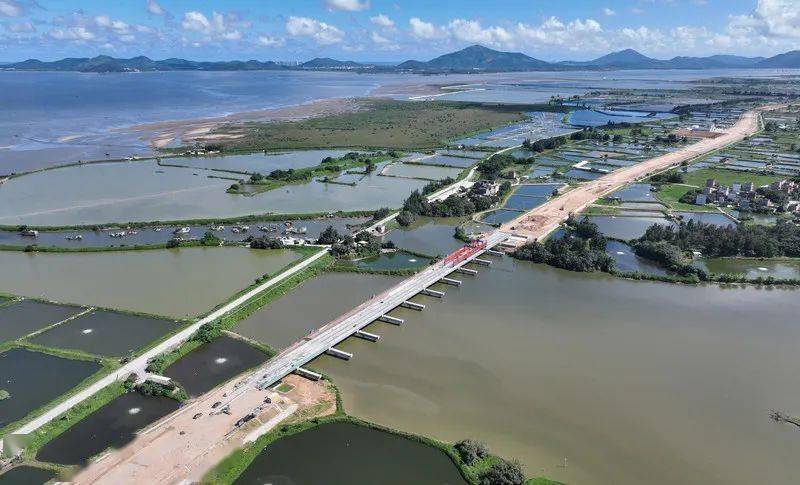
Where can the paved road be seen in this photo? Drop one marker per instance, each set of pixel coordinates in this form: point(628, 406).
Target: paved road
point(138, 364)
point(542, 220)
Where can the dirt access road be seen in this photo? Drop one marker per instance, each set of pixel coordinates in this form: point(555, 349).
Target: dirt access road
point(539, 222)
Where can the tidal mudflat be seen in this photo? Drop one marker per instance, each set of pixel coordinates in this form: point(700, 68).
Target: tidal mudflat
point(176, 283)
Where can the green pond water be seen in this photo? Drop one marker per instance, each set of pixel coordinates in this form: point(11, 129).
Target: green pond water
point(752, 268)
point(394, 260)
point(176, 283)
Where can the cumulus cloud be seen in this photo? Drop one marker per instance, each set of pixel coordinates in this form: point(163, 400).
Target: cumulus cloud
point(771, 18)
point(609, 12)
point(269, 41)
point(347, 5)
point(11, 8)
point(321, 32)
point(20, 27)
point(80, 34)
point(383, 21)
point(155, 8)
point(424, 30)
point(217, 27)
point(473, 32)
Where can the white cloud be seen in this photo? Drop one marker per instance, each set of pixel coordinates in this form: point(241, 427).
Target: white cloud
point(382, 20)
point(80, 34)
point(11, 8)
point(609, 12)
point(269, 41)
point(154, 8)
point(471, 31)
point(347, 5)
point(321, 32)
point(20, 28)
point(771, 18)
point(424, 30)
point(218, 27)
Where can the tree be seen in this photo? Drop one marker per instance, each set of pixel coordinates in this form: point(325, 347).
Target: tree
point(503, 473)
point(405, 218)
point(471, 450)
point(210, 239)
point(328, 236)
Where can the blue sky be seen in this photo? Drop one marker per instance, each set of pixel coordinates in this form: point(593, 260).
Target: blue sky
point(393, 29)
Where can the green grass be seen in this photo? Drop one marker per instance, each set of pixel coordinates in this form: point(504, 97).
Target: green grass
point(378, 124)
point(727, 177)
point(284, 387)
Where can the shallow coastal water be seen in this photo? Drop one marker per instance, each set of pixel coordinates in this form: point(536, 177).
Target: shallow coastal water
point(176, 282)
point(675, 381)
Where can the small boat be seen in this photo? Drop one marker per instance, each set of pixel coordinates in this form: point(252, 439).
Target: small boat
point(30, 233)
point(158, 229)
point(117, 235)
point(182, 230)
point(76, 237)
point(216, 228)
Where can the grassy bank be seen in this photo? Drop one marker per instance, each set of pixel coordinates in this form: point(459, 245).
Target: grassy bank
point(378, 124)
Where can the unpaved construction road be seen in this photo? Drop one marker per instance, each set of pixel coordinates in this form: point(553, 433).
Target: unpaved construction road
point(539, 222)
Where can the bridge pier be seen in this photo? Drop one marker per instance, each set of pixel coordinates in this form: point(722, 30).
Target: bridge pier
point(308, 374)
point(367, 336)
point(451, 281)
point(413, 306)
point(392, 320)
point(334, 352)
point(468, 271)
point(494, 252)
point(482, 262)
point(433, 293)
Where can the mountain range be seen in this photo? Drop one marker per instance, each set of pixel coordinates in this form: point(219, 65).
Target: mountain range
point(475, 58)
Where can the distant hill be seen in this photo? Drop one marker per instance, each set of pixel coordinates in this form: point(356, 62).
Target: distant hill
point(477, 57)
point(328, 63)
point(786, 60)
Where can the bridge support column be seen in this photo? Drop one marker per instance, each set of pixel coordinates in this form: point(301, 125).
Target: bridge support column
point(392, 320)
point(367, 336)
point(494, 252)
point(413, 306)
point(339, 353)
point(451, 281)
point(468, 271)
point(308, 374)
point(433, 293)
point(482, 262)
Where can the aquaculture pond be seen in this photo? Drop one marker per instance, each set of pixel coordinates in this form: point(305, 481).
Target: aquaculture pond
point(291, 317)
point(106, 333)
point(393, 260)
point(544, 364)
point(427, 172)
point(143, 191)
point(537, 190)
point(450, 161)
point(113, 425)
point(27, 316)
point(500, 216)
point(626, 227)
point(586, 117)
point(625, 259)
point(174, 282)
point(119, 236)
point(26, 475)
point(524, 202)
point(432, 236)
point(263, 163)
point(714, 218)
point(213, 363)
point(752, 268)
point(344, 453)
point(33, 379)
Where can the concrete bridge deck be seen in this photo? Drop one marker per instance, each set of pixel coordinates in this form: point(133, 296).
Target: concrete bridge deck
point(322, 339)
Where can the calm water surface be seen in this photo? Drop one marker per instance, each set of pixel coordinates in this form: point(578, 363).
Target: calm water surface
point(26, 475)
point(632, 382)
point(343, 453)
point(26, 316)
point(173, 282)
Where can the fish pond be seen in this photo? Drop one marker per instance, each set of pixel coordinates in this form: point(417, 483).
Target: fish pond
point(112, 426)
point(752, 268)
point(393, 260)
point(27, 316)
point(432, 236)
point(32, 379)
point(345, 453)
point(103, 332)
point(207, 366)
point(626, 227)
point(26, 475)
point(173, 282)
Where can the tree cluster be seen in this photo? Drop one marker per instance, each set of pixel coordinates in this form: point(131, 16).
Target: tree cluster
point(546, 144)
point(455, 205)
point(471, 451)
point(671, 177)
point(264, 242)
point(582, 248)
point(782, 239)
